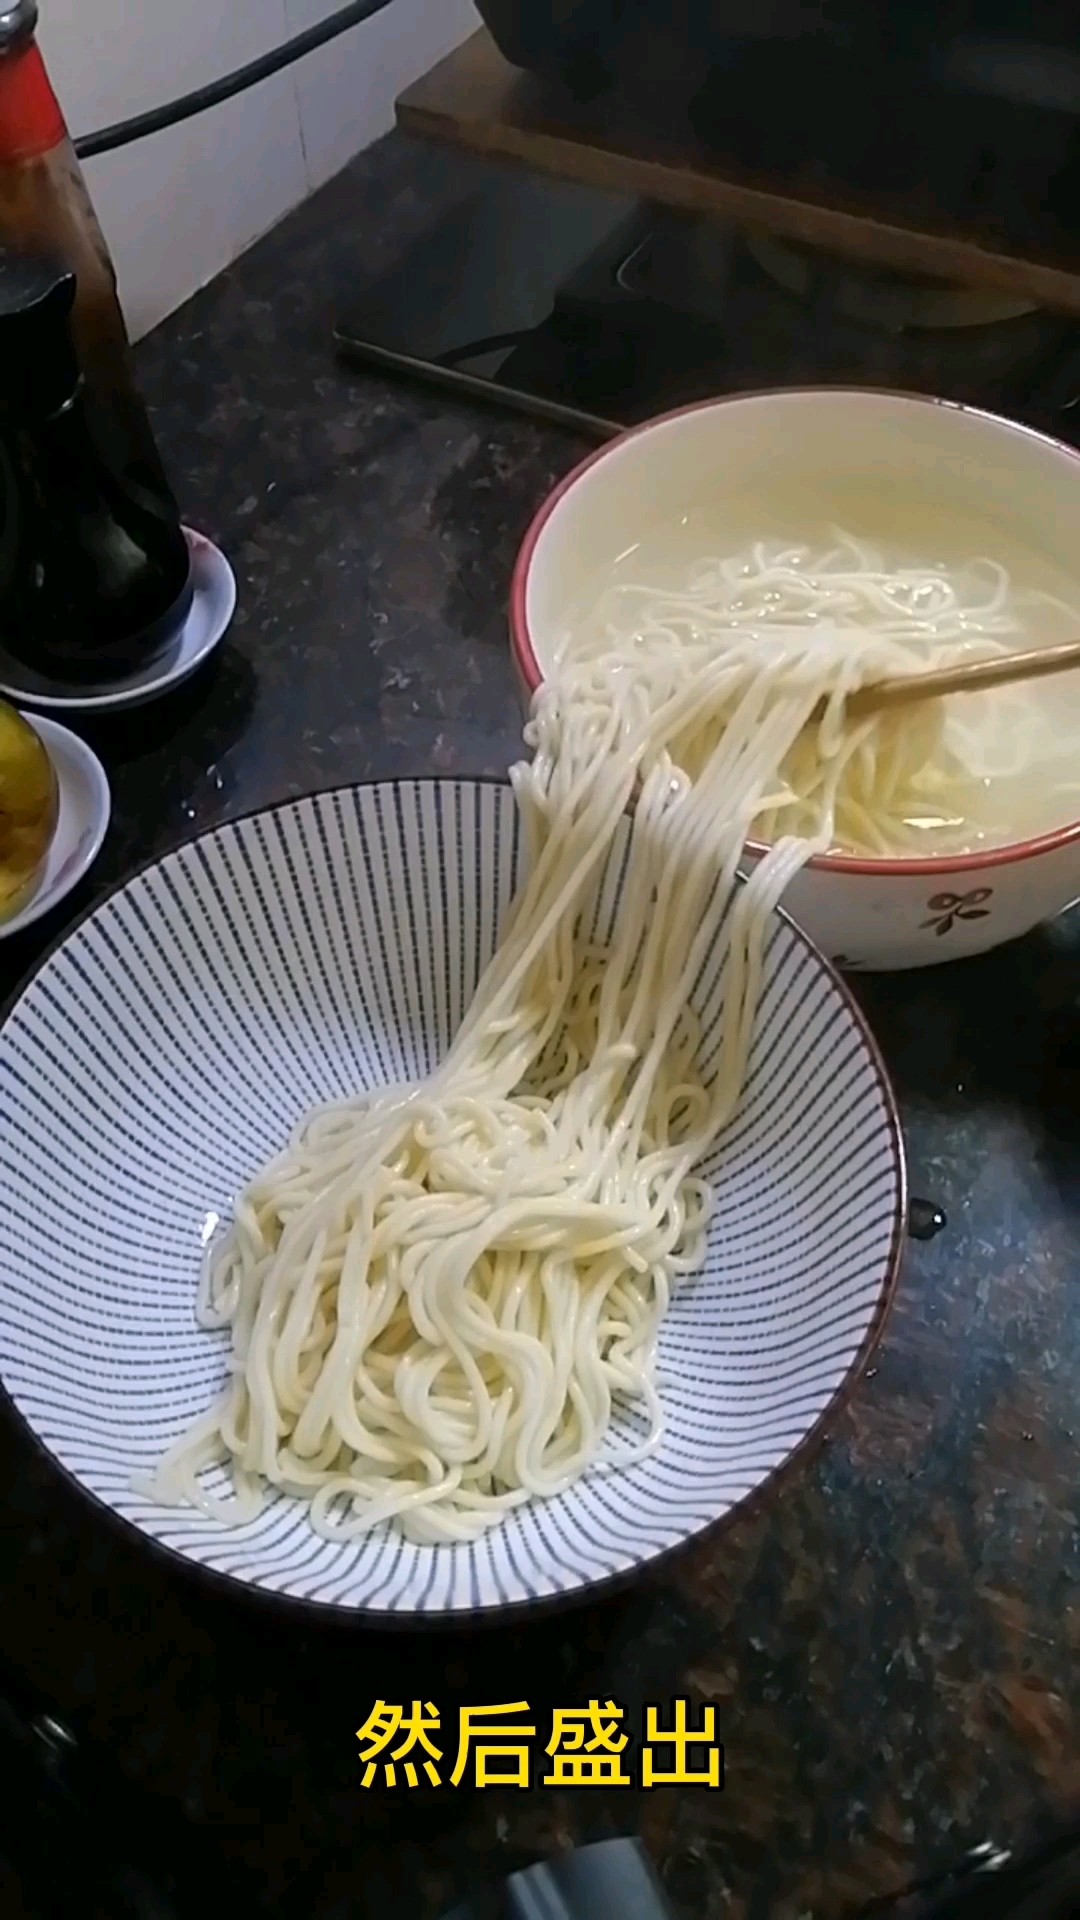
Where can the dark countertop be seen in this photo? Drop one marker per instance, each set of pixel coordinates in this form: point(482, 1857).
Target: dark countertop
point(893, 1648)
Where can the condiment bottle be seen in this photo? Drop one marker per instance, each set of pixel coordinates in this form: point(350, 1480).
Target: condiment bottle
point(93, 582)
point(45, 208)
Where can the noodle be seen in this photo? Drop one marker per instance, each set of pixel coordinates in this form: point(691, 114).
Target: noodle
point(439, 1296)
point(912, 782)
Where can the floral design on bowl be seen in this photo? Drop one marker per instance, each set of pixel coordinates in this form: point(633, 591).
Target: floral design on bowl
point(947, 908)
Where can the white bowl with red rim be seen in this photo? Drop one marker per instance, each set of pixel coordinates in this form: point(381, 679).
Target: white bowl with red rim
point(873, 914)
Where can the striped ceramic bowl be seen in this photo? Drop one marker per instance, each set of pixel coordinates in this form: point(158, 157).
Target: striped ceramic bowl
point(166, 1048)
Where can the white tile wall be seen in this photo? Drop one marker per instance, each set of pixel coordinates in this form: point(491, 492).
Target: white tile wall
point(346, 91)
point(179, 206)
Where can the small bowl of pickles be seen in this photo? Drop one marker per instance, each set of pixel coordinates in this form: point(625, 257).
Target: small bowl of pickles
point(54, 812)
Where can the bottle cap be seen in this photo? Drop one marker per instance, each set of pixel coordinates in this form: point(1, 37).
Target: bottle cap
point(18, 20)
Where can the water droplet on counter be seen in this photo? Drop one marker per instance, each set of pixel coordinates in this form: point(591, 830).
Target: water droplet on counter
point(925, 1220)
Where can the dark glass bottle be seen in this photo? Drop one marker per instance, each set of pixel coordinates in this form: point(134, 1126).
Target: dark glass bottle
point(45, 208)
point(94, 578)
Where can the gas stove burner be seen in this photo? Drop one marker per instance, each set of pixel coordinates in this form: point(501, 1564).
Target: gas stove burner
point(879, 297)
point(627, 310)
point(787, 313)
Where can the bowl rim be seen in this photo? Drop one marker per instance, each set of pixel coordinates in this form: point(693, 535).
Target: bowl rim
point(760, 1497)
point(521, 644)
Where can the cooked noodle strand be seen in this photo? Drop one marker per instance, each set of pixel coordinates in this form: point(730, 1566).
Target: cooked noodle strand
point(439, 1297)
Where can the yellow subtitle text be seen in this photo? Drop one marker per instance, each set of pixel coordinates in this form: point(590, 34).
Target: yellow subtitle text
point(586, 1746)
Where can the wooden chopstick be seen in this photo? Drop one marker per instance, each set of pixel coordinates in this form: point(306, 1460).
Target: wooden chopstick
point(973, 676)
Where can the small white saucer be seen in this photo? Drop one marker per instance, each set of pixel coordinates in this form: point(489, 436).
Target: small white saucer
point(85, 806)
point(212, 608)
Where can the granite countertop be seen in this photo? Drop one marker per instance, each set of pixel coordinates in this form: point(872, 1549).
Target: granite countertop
point(892, 1648)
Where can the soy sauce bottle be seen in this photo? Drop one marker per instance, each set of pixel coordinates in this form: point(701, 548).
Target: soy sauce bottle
point(95, 578)
point(45, 208)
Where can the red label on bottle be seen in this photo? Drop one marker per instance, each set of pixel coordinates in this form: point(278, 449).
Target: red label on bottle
point(31, 122)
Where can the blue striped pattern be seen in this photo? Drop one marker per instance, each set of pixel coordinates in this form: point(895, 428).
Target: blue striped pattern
point(167, 1048)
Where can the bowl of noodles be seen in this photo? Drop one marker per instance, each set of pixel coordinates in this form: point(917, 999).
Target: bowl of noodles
point(433, 1198)
point(805, 543)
